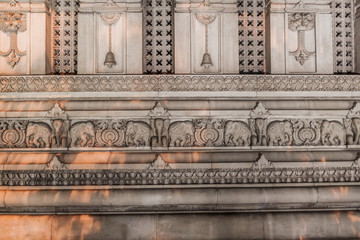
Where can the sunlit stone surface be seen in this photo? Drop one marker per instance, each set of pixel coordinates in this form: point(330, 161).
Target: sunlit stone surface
point(91, 147)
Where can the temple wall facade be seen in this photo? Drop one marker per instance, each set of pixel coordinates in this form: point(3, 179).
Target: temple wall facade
point(163, 119)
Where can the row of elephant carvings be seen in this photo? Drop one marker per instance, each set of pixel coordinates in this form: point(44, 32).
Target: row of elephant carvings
point(159, 130)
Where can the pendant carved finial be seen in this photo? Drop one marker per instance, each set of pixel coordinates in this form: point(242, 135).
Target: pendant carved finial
point(301, 22)
point(12, 23)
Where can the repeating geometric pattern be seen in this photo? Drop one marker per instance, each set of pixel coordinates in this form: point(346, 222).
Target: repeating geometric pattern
point(64, 44)
point(174, 83)
point(343, 14)
point(251, 36)
point(158, 36)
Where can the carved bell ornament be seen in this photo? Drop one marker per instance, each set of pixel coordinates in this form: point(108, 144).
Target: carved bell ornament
point(110, 18)
point(110, 60)
point(206, 61)
point(206, 18)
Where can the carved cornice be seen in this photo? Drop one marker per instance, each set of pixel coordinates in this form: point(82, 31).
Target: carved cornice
point(180, 83)
point(259, 173)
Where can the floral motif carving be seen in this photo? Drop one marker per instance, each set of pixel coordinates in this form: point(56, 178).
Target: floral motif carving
point(159, 164)
point(110, 133)
point(180, 83)
point(307, 132)
point(55, 164)
point(12, 133)
point(12, 23)
point(209, 132)
point(159, 173)
point(301, 22)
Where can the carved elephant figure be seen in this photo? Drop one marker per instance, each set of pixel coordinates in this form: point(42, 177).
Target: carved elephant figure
point(332, 133)
point(279, 133)
point(137, 134)
point(60, 131)
point(38, 134)
point(82, 134)
point(181, 134)
point(355, 127)
point(237, 134)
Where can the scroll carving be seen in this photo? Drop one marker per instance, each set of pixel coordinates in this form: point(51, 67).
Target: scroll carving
point(209, 132)
point(307, 132)
point(12, 133)
point(110, 133)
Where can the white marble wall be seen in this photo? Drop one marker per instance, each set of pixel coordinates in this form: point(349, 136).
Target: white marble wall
point(94, 37)
point(190, 37)
point(314, 53)
point(33, 39)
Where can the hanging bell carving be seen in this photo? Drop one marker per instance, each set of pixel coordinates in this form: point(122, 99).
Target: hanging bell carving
point(206, 61)
point(110, 60)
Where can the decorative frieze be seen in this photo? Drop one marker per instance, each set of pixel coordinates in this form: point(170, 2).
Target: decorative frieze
point(180, 83)
point(159, 172)
point(159, 130)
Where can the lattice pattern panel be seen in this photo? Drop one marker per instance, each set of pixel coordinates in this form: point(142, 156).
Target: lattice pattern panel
point(64, 44)
point(343, 13)
point(251, 36)
point(158, 36)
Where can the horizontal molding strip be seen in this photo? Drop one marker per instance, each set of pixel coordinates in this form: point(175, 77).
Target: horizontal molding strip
point(178, 83)
point(260, 173)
